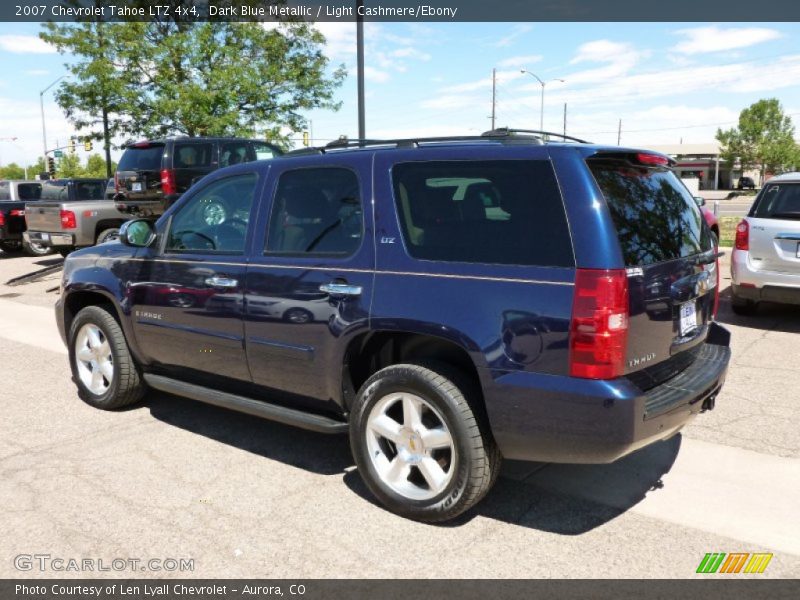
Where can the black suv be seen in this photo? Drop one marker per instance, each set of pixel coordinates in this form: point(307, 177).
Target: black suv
point(445, 301)
point(746, 183)
point(154, 173)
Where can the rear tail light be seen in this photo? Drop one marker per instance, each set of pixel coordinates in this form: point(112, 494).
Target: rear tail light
point(116, 183)
point(743, 236)
point(716, 293)
point(599, 327)
point(652, 159)
point(2, 219)
point(17, 213)
point(168, 181)
point(68, 220)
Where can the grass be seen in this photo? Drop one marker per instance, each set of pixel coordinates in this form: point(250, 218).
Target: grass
point(727, 230)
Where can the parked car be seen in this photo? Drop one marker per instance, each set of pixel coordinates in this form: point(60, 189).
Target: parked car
point(710, 217)
point(484, 297)
point(154, 173)
point(746, 183)
point(13, 196)
point(72, 213)
point(765, 265)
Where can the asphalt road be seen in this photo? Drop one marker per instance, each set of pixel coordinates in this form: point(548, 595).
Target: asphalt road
point(243, 497)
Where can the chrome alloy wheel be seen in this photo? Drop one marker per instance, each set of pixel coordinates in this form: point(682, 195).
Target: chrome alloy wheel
point(410, 446)
point(94, 359)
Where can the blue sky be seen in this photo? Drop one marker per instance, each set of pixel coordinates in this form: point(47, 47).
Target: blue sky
point(668, 82)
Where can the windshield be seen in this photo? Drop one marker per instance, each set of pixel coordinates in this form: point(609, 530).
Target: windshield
point(655, 215)
point(779, 201)
point(146, 158)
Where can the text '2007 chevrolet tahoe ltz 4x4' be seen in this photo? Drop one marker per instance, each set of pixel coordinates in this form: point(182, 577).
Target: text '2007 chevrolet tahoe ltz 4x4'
point(447, 302)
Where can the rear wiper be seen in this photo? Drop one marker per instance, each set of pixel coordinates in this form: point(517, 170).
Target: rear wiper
point(706, 258)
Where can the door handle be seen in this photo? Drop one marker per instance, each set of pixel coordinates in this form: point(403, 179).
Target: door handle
point(221, 282)
point(340, 289)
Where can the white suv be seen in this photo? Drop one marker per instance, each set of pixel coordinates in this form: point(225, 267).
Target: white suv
point(766, 256)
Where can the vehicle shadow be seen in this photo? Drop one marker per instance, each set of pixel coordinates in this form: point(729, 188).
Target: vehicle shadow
point(770, 316)
point(565, 499)
point(557, 498)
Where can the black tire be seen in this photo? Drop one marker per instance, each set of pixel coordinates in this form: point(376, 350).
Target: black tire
point(34, 249)
point(112, 233)
point(126, 386)
point(477, 459)
point(65, 251)
point(11, 246)
point(742, 306)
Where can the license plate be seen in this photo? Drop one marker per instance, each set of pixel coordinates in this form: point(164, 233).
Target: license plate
point(136, 187)
point(688, 320)
point(45, 237)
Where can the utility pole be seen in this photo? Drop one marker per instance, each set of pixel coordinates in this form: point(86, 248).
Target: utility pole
point(494, 95)
point(619, 133)
point(565, 118)
point(362, 127)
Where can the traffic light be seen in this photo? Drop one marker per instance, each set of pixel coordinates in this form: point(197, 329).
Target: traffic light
point(305, 139)
point(72, 145)
point(87, 145)
point(51, 166)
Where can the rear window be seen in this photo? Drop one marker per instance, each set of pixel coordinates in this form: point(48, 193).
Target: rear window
point(655, 215)
point(147, 158)
point(495, 212)
point(779, 201)
point(90, 190)
point(29, 191)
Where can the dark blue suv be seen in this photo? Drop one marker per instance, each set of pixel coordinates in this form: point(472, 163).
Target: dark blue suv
point(447, 302)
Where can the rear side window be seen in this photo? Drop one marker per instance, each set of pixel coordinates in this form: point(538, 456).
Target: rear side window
point(145, 158)
point(192, 156)
point(655, 215)
point(232, 153)
point(29, 191)
point(493, 211)
point(90, 190)
point(779, 201)
point(316, 212)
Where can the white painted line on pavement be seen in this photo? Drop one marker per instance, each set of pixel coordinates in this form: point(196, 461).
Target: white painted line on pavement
point(31, 325)
point(728, 491)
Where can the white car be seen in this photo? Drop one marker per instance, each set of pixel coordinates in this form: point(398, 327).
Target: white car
point(766, 256)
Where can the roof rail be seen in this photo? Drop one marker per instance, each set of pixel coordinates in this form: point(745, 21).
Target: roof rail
point(342, 144)
point(509, 132)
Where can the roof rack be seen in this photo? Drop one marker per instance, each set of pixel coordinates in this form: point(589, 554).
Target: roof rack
point(502, 135)
point(507, 132)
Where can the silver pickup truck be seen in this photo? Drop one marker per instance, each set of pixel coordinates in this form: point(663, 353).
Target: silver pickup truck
point(72, 213)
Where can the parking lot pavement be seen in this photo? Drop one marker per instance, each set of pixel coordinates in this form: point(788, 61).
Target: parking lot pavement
point(171, 478)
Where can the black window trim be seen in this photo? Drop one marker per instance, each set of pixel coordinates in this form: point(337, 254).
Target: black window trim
point(332, 255)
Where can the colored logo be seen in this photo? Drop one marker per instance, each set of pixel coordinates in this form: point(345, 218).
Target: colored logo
point(735, 562)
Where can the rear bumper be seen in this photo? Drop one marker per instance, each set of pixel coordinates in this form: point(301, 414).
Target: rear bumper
point(564, 419)
point(760, 285)
point(50, 240)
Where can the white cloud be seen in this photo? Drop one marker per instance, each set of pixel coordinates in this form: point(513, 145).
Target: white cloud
point(410, 52)
point(516, 32)
point(485, 82)
point(519, 62)
point(340, 39)
point(619, 59)
point(700, 40)
point(37, 72)
point(376, 75)
point(25, 44)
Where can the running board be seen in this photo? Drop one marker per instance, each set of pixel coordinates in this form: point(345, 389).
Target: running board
point(273, 412)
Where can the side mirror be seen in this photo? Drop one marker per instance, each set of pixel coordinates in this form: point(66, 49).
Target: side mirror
point(700, 200)
point(138, 233)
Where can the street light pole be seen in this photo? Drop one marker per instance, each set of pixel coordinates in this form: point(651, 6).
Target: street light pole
point(543, 84)
point(362, 128)
point(44, 130)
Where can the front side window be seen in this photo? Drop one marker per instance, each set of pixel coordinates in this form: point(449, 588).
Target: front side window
point(192, 156)
point(232, 153)
point(483, 211)
point(316, 211)
point(263, 151)
point(215, 219)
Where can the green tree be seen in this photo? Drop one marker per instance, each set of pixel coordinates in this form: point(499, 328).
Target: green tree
point(96, 166)
point(12, 171)
point(69, 165)
point(186, 77)
point(764, 139)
